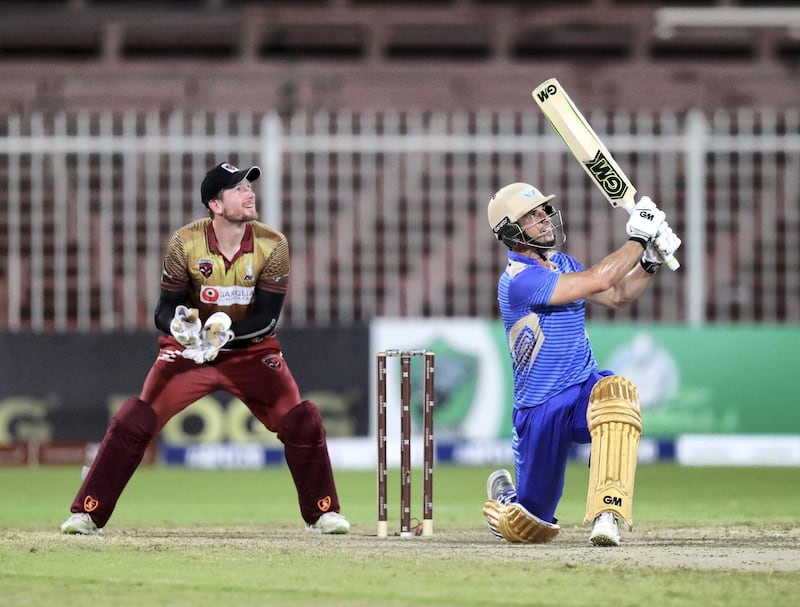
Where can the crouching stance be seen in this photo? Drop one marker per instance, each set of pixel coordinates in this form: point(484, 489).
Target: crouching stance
point(223, 282)
point(561, 397)
point(615, 425)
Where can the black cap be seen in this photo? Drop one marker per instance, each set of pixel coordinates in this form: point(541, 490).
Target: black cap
point(224, 176)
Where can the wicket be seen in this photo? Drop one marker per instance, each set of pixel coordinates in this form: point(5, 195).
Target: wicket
point(405, 441)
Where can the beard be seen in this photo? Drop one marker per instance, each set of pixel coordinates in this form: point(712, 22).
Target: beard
point(240, 215)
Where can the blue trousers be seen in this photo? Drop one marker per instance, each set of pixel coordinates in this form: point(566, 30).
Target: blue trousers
point(541, 441)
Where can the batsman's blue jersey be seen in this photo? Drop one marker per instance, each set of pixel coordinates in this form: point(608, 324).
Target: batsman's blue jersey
point(549, 347)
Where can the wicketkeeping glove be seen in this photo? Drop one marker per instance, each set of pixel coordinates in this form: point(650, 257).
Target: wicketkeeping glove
point(644, 222)
point(185, 327)
point(215, 334)
point(662, 246)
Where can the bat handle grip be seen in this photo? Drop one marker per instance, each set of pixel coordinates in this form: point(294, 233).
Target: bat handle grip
point(672, 263)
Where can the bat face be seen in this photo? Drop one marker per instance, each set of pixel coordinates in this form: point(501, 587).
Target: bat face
point(584, 143)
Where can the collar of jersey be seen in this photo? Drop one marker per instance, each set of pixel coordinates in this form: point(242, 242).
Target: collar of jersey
point(522, 258)
point(246, 246)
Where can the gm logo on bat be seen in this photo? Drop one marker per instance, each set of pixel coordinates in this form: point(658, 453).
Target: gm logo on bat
point(606, 176)
point(545, 93)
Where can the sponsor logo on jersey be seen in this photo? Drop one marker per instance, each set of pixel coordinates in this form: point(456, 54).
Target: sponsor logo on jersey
point(227, 296)
point(248, 273)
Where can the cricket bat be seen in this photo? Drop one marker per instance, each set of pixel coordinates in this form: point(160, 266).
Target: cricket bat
point(587, 148)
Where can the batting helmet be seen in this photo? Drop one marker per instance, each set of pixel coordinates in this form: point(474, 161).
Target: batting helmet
point(508, 205)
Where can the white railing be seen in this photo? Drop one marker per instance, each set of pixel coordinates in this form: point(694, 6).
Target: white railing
point(385, 212)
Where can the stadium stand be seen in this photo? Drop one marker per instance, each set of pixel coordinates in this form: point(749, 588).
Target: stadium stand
point(460, 54)
point(302, 56)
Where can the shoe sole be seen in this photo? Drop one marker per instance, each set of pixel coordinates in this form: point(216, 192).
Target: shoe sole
point(75, 531)
point(337, 531)
point(340, 530)
point(601, 539)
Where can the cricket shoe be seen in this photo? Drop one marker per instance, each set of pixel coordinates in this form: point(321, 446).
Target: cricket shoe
point(80, 523)
point(500, 487)
point(605, 530)
point(330, 523)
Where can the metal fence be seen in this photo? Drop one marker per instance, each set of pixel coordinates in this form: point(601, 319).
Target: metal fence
point(386, 212)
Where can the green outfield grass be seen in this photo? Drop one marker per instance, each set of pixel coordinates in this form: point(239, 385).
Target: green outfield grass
point(183, 537)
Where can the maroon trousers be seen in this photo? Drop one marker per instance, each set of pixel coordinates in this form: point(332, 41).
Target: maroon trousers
point(259, 377)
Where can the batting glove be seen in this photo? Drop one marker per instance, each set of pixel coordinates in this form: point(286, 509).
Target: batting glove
point(185, 327)
point(215, 334)
point(644, 222)
point(662, 246)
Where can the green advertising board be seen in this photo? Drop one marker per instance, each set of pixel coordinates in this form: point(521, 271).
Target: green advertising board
point(716, 380)
point(712, 380)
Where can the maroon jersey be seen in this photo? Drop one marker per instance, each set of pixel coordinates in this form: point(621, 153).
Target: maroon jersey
point(194, 263)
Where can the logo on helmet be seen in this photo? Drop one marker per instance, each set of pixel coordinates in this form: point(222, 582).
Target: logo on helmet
point(503, 223)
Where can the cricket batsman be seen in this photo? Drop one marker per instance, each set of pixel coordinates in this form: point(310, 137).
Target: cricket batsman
point(561, 397)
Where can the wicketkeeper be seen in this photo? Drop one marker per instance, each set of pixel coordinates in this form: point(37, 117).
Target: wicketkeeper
point(560, 395)
point(223, 283)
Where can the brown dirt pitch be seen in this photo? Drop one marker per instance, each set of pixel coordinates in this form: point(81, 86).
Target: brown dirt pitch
point(737, 548)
